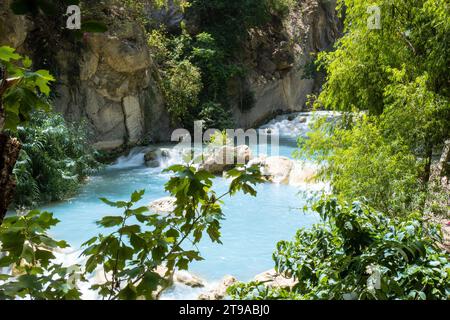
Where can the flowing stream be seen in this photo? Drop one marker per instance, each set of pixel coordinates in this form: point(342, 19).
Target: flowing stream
point(250, 231)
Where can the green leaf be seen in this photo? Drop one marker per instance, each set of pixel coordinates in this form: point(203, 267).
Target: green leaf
point(128, 293)
point(111, 221)
point(137, 196)
point(42, 80)
point(27, 63)
point(7, 54)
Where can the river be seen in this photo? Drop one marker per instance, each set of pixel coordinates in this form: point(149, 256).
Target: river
point(250, 231)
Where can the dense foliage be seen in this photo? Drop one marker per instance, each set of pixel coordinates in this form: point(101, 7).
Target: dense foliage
point(392, 85)
point(29, 251)
point(55, 159)
point(359, 253)
point(27, 90)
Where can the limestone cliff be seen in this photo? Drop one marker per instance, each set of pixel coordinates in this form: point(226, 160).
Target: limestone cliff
point(109, 79)
point(279, 56)
point(116, 90)
point(106, 79)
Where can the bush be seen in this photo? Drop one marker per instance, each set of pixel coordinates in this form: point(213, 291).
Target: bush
point(358, 161)
point(55, 159)
point(215, 116)
point(29, 251)
point(181, 86)
point(358, 253)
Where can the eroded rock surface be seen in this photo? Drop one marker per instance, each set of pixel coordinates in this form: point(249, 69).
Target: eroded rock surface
point(272, 279)
point(219, 292)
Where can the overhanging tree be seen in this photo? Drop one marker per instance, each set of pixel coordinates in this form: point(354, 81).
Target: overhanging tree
point(21, 92)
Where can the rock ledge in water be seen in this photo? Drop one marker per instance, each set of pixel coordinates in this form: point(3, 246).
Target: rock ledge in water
point(219, 292)
point(284, 170)
point(225, 158)
point(189, 279)
point(163, 206)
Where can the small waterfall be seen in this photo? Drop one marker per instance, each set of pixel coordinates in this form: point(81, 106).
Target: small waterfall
point(134, 159)
point(170, 156)
point(295, 125)
point(166, 156)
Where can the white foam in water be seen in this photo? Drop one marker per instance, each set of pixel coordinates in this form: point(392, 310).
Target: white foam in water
point(296, 124)
point(134, 159)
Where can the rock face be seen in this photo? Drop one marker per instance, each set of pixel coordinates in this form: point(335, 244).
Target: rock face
point(13, 28)
point(116, 91)
point(110, 81)
point(107, 79)
point(278, 57)
point(220, 292)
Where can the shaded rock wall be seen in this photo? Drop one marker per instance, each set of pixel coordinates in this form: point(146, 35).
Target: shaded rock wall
point(107, 79)
point(110, 81)
point(116, 91)
point(278, 56)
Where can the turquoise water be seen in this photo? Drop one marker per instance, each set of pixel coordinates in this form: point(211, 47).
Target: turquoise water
point(250, 231)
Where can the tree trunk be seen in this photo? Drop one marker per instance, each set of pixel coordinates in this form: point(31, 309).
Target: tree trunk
point(429, 159)
point(9, 153)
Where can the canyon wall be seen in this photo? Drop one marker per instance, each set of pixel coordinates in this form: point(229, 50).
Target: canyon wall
point(279, 57)
point(109, 79)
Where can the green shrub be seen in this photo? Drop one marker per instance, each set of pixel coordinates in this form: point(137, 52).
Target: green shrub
point(358, 253)
point(181, 87)
point(215, 116)
point(55, 159)
point(358, 161)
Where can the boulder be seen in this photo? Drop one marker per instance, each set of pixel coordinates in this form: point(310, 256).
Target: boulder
point(152, 164)
point(163, 206)
point(188, 279)
point(301, 174)
point(243, 154)
point(220, 291)
point(277, 169)
point(151, 158)
point(151, 155)
point(165, 153)
point(272, 279)
point(225, 158)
